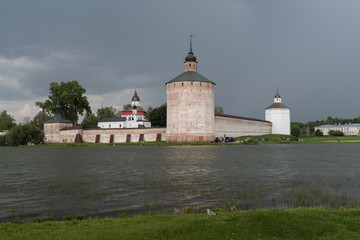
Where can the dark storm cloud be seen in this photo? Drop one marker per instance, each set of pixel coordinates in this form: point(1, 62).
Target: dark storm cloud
point(309, 49)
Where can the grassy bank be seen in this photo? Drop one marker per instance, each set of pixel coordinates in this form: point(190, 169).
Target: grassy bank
point(301, 223)
point(284, 139)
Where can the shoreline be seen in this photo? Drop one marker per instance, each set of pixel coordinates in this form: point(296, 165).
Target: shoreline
point(254, 140)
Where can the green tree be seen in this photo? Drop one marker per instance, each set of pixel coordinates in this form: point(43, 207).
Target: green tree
point(106, 112)
point(157, 116)
point(336, 133)
point(219, 110)
point(295, 131)
point(318, 133)
point(127, 107)
point(2, 140)
point(6, 121)
point(89, 120)
point(22, 134)
point(39, 119)
point(72, 100)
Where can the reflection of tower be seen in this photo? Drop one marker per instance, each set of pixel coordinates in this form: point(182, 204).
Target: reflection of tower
point(190, 105)
point(279, 115)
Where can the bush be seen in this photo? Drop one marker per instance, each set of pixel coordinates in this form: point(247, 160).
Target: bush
point(318, 133)
point(2, 140)
point(23, 134)
point(295, 131)
point(336, 133)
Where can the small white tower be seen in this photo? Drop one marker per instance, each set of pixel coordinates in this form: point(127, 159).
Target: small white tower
point(279, 115)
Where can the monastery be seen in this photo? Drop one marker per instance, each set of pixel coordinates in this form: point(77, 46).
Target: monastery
point(190, 117)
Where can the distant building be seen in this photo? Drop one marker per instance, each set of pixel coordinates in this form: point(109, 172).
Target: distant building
point(134, 118)
point(347, 129)
point(3, 132)
point(279, 115)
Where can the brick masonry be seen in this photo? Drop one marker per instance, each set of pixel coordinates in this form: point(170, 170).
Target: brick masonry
point(190, 112)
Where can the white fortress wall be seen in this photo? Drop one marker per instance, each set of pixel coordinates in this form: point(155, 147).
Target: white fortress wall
point(234, 126)
point(119, 135)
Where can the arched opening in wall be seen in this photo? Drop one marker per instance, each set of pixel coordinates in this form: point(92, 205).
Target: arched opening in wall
point(158, 137)
point(141, 138)
point(128, 138)
point(189, 64)
point(182, 84)
point(97, 138)
point(111, 138)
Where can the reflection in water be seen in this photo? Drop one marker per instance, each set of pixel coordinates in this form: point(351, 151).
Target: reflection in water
point(107, 181)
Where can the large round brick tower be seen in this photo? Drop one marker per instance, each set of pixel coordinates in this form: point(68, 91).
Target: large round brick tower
point(190, 105)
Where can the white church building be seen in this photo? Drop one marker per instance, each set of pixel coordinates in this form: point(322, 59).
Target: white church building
point(133, 118)
point(279, 115)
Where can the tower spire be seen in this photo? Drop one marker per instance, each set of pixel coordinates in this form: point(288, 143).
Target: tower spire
point(190, 48)
point(190, 59)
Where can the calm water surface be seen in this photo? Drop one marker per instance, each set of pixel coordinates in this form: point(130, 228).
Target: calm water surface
point(108, 181)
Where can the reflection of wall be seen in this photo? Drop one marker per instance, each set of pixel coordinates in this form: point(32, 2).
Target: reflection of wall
point(234, 126)
point(119, 135)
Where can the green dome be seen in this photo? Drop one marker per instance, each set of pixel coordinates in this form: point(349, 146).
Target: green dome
point(190, 57)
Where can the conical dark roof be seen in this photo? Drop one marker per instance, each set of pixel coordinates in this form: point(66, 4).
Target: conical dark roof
point(190, 77)
point(135, 97)
point(58, 117)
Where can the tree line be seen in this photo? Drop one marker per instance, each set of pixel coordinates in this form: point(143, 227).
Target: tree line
point(309, 127)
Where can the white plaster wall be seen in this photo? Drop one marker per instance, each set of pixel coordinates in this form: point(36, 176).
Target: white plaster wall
point(234, 127)
point(89, 135)
point(280, 117)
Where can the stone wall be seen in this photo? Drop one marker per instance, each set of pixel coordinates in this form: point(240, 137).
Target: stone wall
point(52, 131)
point(104, 135)
point(234, 126)
point(190, 111)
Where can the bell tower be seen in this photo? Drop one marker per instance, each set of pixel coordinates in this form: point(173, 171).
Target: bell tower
point(190, 59)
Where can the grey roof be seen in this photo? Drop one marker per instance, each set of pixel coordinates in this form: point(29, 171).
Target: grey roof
point(113, 119)
point(239, 117)
point(339, 126)
point(277, 105)
point(190, 77)
point(58, 118)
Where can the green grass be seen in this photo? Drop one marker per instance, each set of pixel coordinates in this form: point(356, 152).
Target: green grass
point(276, 139)
point(300, 223)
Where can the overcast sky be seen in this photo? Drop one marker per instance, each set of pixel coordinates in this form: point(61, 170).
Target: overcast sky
point(309, 49)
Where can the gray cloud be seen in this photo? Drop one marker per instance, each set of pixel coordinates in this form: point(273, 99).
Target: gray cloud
point(309, 49)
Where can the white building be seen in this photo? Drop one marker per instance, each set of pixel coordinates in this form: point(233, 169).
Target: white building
point(347, 129)
point(134, 118)
point(279, 115)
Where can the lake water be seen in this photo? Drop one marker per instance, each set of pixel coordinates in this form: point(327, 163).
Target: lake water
point(108, 181)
